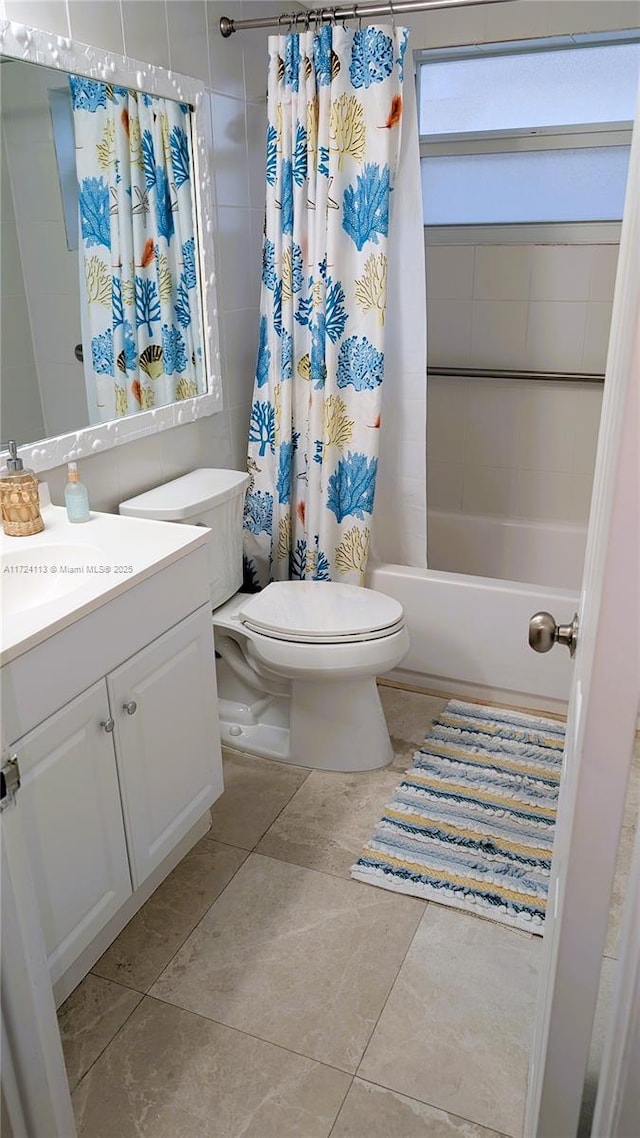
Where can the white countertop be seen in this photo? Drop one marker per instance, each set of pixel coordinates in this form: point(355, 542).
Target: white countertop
point(51, 579)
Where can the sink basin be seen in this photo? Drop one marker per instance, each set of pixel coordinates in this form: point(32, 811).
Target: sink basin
point(65, 572)
point(33, 577)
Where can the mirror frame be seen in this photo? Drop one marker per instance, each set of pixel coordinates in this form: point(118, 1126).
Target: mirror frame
point(30, 45)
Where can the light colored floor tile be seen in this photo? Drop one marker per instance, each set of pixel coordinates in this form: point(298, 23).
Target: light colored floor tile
point(374, 1112)
point(255, 791)
point(172, 1074)
point(88, 1021)
point(136, 957)
point(409, 717)
point(298, 958)
point(456, 1029)
point(330, 819)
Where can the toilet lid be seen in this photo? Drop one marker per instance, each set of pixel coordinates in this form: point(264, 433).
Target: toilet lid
point(321, 612)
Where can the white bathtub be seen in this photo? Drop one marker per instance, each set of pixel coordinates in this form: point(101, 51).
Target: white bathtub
point(546, 553)
point(469, 635)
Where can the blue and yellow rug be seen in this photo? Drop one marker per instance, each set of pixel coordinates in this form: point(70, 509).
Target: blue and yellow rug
point(471, 825)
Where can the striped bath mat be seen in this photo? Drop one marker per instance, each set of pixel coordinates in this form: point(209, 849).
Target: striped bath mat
point(471, 825)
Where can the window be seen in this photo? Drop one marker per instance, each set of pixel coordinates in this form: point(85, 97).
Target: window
point(531, 132)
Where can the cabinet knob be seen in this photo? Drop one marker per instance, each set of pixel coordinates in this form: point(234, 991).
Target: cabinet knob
point(130, 707)
point(108, 724)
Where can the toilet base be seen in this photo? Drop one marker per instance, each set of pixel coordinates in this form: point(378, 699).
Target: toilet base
point(323, 726)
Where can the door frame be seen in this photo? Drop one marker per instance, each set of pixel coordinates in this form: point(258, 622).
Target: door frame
point(601, 722)
point(35, 1090)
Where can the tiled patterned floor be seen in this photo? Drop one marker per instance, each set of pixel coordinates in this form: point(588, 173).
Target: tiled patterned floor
point(262, 993)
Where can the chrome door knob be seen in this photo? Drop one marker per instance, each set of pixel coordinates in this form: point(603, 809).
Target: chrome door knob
point(544, 633)
point(130, 707)
point(108, 724)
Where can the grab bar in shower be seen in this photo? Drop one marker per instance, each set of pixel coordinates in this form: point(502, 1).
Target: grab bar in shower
point(507, 373)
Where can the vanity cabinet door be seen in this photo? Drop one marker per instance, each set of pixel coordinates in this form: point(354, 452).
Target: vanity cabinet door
point(72, 815)
point(167, 736)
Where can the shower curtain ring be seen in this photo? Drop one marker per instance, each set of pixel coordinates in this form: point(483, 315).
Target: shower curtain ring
point(393, 16)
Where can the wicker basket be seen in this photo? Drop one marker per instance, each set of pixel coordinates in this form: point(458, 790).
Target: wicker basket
point(20, 505)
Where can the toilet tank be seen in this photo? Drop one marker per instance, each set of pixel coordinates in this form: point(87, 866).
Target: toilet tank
point(208, 497)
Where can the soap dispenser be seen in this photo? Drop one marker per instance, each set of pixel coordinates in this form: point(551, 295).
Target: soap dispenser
point(19, 499)
point(76, 498)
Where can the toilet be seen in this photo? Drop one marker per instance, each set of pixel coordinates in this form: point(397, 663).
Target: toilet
point(296, 663)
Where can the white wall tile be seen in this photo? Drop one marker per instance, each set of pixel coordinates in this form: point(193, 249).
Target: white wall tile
point(498, 334)
point(493, 424)
point(240, 347)
point(555, 336)
point(445, 27)
point(446, 419)
point(180, 450)
point(254, 43)
point(604, 263)
point(101, 476)
point(488, 490)
point(561, 272)
point(587, 426)
point(553, 496)
point(596, 337)
point(226, 55)
point(547, 426)
point(145, 31)
point(239, 423)
point(48, 15)
point(444, 485)
point(215, 442)
point(256, 146)
point(449, 272)
point(449, 332)
point(139, 465)
point(98, 22)
point(234, 259)
point(502, 272)
point(566, 16)
point(188, 39)
point(230, 169)
point(582, 490)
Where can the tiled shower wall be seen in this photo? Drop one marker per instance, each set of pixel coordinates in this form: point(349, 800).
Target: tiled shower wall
point(516, 448)
point(499, 447)
point(183, 35)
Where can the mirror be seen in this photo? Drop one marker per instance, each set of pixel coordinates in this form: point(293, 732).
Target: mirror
point(108, 289)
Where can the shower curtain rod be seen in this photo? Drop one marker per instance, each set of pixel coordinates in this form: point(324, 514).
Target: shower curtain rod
point(345, 12)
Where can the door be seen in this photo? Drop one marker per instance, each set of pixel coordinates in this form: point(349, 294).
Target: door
point(603, 708)
point(165, 706)
point(34, 1092)
point(72, 817)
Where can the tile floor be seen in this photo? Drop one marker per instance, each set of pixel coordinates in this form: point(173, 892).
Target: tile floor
point(262, 993)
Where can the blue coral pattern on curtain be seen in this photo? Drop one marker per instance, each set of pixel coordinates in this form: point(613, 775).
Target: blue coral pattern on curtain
point(138, 270)
point(333, 138)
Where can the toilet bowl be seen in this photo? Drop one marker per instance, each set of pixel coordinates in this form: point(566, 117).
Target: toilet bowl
point(297, 662)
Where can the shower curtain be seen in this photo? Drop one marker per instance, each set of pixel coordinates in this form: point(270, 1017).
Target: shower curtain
point(336, 128)
point(141, 318)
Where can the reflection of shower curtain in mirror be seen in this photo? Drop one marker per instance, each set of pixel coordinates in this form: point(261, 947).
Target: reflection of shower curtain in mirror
point(141, 317)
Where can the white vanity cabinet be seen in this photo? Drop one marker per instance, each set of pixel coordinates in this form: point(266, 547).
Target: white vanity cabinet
point(113, 718)
point(72, 819)
point(113, 781)
point(166, 720)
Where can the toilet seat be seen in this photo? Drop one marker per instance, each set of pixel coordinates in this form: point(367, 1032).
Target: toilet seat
point(318, 612)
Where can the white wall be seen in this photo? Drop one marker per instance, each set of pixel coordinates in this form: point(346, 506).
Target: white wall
point(505, 448)
point(183, 35)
